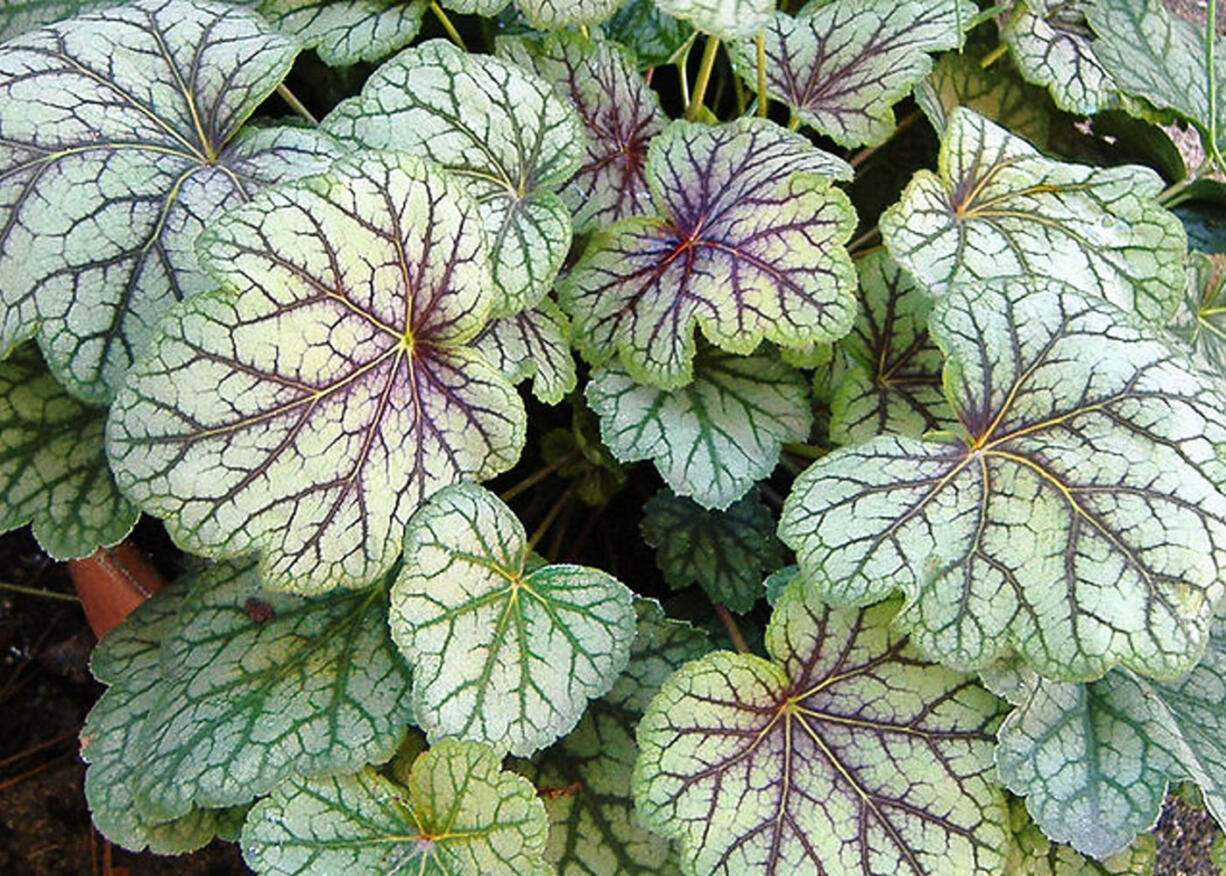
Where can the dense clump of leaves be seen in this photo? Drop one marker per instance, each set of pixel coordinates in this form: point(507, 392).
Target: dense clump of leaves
point(916, 314)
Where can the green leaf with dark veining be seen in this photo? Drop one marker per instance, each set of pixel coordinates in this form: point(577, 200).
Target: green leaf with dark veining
point(343, 32)
point(1201, 318)
point(726, 553)
point(585, 778)
point(459, 816)
point(726, 19)
point(995, 92)
point(108, 171)
point(505, 650)
point(1033, 854)
point(748, 245)
point(894, 383)
point(18, 16)
point(844, 753)
point(652, 36)
point(53, 470)
point(1077, 514)
point(502, 130)
point(841, 66)
point(260, 685)
point(998, 208)
point(1053, 46)
point(306, 409)
point(713, 438)
point(533, 343)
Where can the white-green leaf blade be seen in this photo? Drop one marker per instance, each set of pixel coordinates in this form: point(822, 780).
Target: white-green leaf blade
point(748, 246)
point(843, 754)
point(726, 19)
point(307, 413)
point(558, 14)
point(505, 132)
point(261, 685)
point(1201, 319)
point(460, 815)
point(532, 344)
point(1053, 47)
point(53, 470)
point(1079, 520)
point(19, 16)
point(841, 66)
point(998, 208)
point(503, 652)
point(712, 439)
point(344, 32)
point(105, 167)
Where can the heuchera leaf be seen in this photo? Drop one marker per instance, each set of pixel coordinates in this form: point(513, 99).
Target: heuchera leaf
point(533, 343)
point(997, 208)
point(53, 470)
point(620, 112)
point(557, 14)
point(1077, 516)
point(1201, 318)
point(712, 439)
point(842, 754)
point(894, 382)
point(306, 410)
point(258, 685)
point(108, 171)
point(1157, 56)
point(127, 659)
point(749, 245)
point(459, 815)
point(503, 131)
point(995, 92)
point(344, 32)
point(726, 19)
point(18, 16)
point(1052, 45)
point(726, 553)
point(1033, 854)
point(841, 66)
point(652, 36)
point(585, 779)
point(505, 650)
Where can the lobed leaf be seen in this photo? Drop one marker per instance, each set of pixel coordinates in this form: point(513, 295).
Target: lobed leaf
point(308, 408)
point(840, 66)
point(726, 553)
point(108, 171)
point(620, 113)
point(1078, 516)
point(997, 207)
point(344, 32)
point(843, 754)
point(505, 650)
point(53, 470)
point(726, 19)
point(258, 686)
point(459, 815)
point(533, 343)
point(1053, 46)
point(510, 138)
point(710, 440)
point(749, 245)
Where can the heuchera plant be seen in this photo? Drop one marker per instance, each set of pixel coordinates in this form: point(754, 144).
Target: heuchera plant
point(916, 314)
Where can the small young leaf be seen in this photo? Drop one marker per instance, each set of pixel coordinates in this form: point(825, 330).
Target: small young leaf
point(504, 650)
point(1033, 854)
point(459, 815)
point(841, 66)
point(504, 132)
point(127, 659)
point(999, 208)
point(726, 19)
point(726, 553)
point(710, 440)
point(652, 36)
point(1078, 518)
point(533, 343)
point(585, 778)
point(344, 32)
point(1051, 43)
point(843, 754)
point(620, 112)
point(894, 383)
point(309, 408)
point(1201, 318)
point(749, 245)
point(109, 170)
point(310, 686)
point(997, 93)
point(53, 470)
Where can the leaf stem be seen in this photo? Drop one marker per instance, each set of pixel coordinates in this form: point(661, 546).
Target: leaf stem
point(445, 20)
point(993, 56)
point(760, 39)
point(704, 78)
point(864, 239)
point(808, 451)
point(295, 104)
point(35, 591)
point(867, 152)
point(537, 476)
point(1171, 196)
point(734, 631)
point(558, 507)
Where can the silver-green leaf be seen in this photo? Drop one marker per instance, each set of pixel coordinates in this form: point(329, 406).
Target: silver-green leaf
point(533, 343)
point(344, 32)
point(726, 19)
point(1053, 46)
